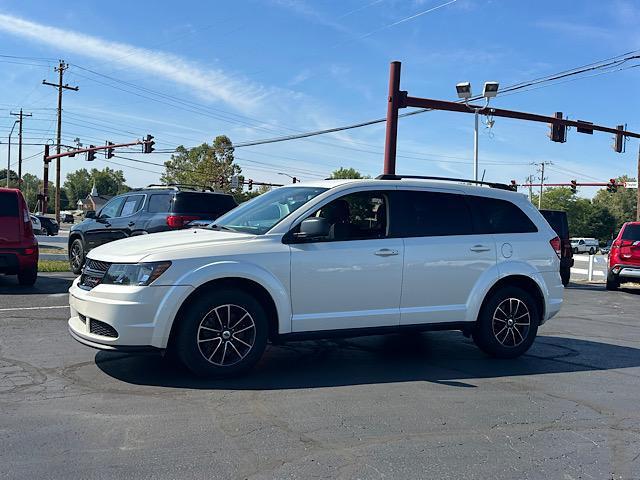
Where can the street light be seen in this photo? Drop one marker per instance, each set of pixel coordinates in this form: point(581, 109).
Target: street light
point(489, 91)
point(9, 153)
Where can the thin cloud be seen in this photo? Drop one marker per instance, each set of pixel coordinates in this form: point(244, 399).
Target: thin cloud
point(210, 84)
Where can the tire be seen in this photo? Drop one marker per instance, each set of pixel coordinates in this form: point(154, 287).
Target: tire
point(575, 250)
point(612, 283)
point(592, 251)
point(76, 256)
point(212, 344)
point(512, 304)
point(28, 277)
point(565, 276)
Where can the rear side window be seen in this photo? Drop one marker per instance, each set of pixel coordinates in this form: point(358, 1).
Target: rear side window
point(205, 203)
point(631, 232)
point(430, 214)
point(492, 215)
point(8, 204)
point(159, 203)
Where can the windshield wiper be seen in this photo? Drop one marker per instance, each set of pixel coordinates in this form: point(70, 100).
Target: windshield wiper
point(213, 226)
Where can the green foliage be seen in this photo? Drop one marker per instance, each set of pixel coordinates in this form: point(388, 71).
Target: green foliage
point(622, 204)
point(204, 165)
point(346, 173)
point(78, 184)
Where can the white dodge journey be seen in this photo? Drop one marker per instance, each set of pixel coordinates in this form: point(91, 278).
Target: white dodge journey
point(328, 258)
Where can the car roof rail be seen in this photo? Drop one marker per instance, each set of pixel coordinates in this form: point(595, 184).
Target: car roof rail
point(501, 186)
point(182, 186)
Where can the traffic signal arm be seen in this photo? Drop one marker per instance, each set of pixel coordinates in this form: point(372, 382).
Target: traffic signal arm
point(71, 153)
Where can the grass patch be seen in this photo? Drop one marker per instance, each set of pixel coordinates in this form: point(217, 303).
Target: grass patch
point(54, 250)
point(53, 266)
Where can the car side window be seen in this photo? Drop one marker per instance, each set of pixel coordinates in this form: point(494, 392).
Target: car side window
point(159, 203)
point(429, 214)
point(112, 208)
point(493, 215)
point(357, 216)
point(132, 204)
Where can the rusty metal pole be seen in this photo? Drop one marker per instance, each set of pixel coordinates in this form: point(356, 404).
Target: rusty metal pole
point(45, 182)
point(392, 119)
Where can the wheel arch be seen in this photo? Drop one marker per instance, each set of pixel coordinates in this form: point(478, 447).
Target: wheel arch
point(247, 285)
point(526, 283)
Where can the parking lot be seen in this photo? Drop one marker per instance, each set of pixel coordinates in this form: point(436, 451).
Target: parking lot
point(403, 406)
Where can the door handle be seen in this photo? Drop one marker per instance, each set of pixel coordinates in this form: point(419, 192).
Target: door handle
point(480, 248)
point(131, 224)
point(386, 252)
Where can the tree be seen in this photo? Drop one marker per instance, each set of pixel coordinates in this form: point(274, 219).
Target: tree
point(204, 165)
point(346, 173)
point(78, 184)
point(13, 178)
point(600, 223)
point(622, 204)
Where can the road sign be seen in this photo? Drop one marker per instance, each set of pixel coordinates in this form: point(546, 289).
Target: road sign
point(630, 184)
point(234, 181)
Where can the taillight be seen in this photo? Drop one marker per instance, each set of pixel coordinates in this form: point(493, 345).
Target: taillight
point(555, 244)
point(179, 221)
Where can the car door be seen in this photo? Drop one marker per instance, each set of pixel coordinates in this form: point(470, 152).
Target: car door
point(125, 223)
point(98, 230)
point(443, 256)
point(353, 278)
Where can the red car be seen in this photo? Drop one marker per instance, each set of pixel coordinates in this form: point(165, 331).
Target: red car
point(18, 244)
point(624, 257)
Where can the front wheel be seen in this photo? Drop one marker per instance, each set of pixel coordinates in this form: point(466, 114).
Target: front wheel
point(592, 251)
point(222, 334)
point(76, 256)
point(575, 250)
point(507, 324)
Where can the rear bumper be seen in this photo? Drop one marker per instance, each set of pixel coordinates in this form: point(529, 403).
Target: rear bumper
point(13, 261)
point(625, 272)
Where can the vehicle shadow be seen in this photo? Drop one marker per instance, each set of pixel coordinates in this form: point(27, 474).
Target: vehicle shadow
point(47, 283)
point(599, 287)
point(442, 357)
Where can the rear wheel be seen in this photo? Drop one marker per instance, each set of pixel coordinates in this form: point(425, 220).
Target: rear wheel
point(575, 250)
point(507, 324)
point(76, 256)
point(222, 334)
point(565, 275)
point(592, 251)
point(28, 276)
point(612, 282)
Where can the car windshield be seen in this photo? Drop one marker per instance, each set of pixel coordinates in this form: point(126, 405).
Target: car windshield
point(260, 214)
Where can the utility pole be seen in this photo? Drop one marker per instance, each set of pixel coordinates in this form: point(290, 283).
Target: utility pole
point(44, 205)
point(62, 66)
point(9, 153)
point(529, 180)
point(20, 115)
point(638, 189)
point(542, 179)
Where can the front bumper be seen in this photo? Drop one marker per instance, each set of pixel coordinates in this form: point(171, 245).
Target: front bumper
point(139, 317)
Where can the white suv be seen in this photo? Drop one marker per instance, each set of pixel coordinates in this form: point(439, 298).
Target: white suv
point(340, 257)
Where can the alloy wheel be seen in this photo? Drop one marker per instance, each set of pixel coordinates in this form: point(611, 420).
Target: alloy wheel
point(76, 256)
point(511, 322)
point(226, 335)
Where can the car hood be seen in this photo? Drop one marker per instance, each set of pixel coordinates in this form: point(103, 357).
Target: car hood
point(167, 245)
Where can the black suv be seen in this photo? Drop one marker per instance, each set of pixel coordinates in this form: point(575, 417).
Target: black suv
point(157, 208)
point(558, 221)
point(49, 225)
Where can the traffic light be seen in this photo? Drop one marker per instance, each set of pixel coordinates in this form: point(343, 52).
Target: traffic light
point(91, 154)
point(612, 186)
point(295, 180)
point(514, 185)
point(148, 144)
point(221, 182)
point(250, 187)
point(109, 152)
point(574, 186)
point(558, 132)
point(618, 140)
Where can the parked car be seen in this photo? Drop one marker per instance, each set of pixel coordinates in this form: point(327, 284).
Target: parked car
point(585, 245)
point(337, 257)
point(558, 221)
point(18, 244)
point(624, 257)
point(607, 248)
point(36, 225)
point(139, 212)
point(48, 225)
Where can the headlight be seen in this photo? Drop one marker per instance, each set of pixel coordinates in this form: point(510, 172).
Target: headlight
point(134, 273)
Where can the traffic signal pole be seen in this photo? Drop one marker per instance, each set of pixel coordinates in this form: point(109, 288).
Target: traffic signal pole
point(638, 189)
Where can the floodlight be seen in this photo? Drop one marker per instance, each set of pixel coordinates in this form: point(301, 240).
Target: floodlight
point(490, 89)
point(464, 90)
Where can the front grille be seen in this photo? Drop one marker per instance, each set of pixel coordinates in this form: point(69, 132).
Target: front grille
point(92, 273)
point(103, 329)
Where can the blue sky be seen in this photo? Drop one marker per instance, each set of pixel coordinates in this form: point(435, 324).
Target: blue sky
point(262, 68)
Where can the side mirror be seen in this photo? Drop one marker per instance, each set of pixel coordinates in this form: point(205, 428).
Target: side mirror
point(90, 214)
point(313, 228)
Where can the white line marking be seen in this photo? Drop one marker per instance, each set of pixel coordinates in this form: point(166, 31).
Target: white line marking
point(32, 308)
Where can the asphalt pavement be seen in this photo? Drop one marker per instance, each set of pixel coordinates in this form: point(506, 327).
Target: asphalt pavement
point(428, 406)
